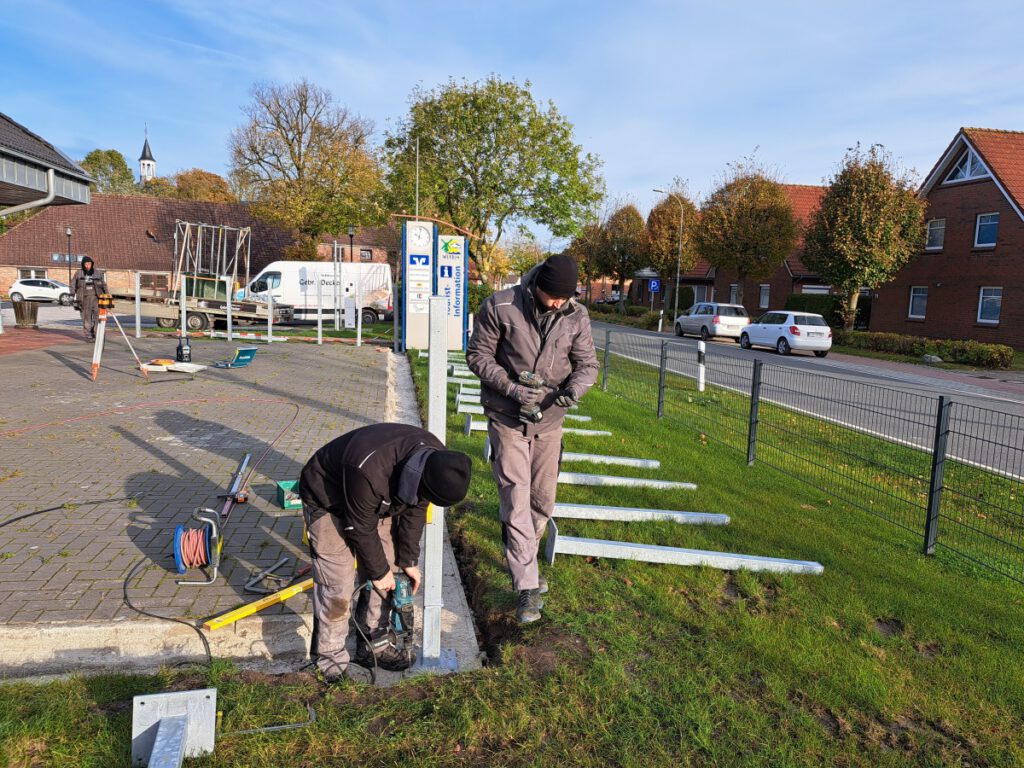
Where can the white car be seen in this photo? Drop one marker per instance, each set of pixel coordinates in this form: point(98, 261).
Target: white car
point(709, 318)
point(41, 289)
point(788, 331)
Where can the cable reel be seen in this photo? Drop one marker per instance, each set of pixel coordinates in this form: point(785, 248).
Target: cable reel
point(199, 547)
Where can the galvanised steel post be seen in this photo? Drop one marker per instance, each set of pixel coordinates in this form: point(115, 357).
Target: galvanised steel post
point(607, 353)
point(662, 366)
point(755, 399)
point(931, 527)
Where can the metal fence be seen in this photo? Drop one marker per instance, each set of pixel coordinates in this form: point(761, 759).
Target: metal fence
point(948, 472)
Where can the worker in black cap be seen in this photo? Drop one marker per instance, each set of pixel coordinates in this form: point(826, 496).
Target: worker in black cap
point(87, 285)
point(535, 327)
point(364, 500)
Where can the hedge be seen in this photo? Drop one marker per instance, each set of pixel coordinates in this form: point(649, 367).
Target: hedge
point(950, 350)
point(829, 307)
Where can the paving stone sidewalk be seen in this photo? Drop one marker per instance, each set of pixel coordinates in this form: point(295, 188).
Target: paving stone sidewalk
point(172, 445)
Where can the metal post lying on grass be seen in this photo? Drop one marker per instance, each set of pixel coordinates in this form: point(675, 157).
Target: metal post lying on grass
point(582, 478)
point(637, 514)
point(624, 461)
point(432, 656)
point(931, 528)
point(138, 305)
point(755, 400)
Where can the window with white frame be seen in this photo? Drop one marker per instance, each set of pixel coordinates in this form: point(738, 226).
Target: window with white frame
point(936, 234)
point(986, 229)
point(918, 301)
point(967, 167)
point(733, 290)
point(763, 296)
point(990, 302)
point(27, 273)
point(365, 254)
point(817, 290)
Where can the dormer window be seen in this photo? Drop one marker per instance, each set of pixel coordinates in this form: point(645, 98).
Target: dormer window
point(968, 167)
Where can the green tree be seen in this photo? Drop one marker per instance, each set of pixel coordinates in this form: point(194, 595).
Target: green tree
point(304, 161)
point(747, 224)
point(197, 184)
point(624, 248)
point(110, 169)
point(868, 226)
point(490, 156)
point(671, 251)
point(159, 186)
point(584, 250)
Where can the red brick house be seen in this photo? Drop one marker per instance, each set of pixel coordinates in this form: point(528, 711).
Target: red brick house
point(968, 282)
point(792, 276)
point(136, 233)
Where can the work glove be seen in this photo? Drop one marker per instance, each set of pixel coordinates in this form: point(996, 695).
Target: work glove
point(524, 395)
point(565, 398)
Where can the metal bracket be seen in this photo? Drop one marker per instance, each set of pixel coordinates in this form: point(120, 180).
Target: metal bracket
point(167, 727)
point(251, 584)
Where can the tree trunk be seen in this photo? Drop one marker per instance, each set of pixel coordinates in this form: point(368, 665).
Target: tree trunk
point(850, 309)
point(621, 306)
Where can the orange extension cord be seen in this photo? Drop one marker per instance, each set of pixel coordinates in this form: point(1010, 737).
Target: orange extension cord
point(193, 548)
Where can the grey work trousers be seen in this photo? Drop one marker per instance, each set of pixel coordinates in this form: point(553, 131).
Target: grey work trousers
point(90, 313)
point(526, 470)
point(334, 582)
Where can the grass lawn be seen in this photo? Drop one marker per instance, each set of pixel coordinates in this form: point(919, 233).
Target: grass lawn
point(888, 659)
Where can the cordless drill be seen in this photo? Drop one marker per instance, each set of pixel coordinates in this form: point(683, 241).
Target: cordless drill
point(532, 414)
point(401, 607)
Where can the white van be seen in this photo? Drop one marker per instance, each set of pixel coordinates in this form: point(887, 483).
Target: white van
point(295, 283)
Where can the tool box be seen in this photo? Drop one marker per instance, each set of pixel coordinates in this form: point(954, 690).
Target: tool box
point(288, 495)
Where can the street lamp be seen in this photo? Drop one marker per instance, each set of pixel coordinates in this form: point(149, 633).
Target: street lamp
point(67, 231)
point(351, 246)
point(679, 256)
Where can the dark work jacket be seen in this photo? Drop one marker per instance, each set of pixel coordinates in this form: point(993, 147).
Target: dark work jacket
point(507, 340)
point(355, 477)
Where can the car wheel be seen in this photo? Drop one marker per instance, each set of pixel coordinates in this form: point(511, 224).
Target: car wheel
point(744, 341)
point(704, 335)
point(166, 322)
point(679, 330)
point(17, 297)
point(782, 346)
point(369, 316)
point(65, 299)
point(821, 353)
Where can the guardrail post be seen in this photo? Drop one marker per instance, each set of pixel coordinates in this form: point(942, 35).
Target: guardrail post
point(662, 366)
point(607, 353)
point(931, 526)
point(701, 348)
point(755, 401)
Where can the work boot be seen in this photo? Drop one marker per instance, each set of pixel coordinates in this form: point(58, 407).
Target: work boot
point(542, 586)
point(383, 654)
point(530, 603)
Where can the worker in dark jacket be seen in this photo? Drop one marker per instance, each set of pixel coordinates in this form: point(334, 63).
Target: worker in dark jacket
point(534, 327)
point(87, 285)
point(364, 500)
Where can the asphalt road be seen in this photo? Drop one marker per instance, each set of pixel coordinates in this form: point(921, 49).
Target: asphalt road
point(897, 402)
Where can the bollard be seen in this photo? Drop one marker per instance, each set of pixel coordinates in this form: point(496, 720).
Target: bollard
point(700, 365)
point(319, 312)
point(661, 319)
point(138, 305)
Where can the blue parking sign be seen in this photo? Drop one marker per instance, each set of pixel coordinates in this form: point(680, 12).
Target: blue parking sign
point(655, 286)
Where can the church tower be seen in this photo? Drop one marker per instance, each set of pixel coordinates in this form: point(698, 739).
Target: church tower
point(147, 164)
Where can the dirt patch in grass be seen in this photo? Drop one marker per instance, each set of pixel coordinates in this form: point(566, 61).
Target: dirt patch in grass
point(888, 627)
point(29, 754)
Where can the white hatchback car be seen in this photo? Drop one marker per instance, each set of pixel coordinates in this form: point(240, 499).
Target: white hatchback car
point(40, 289)
point(709, 318)
point(786, 331)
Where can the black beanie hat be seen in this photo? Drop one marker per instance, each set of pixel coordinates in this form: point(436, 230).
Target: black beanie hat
point(446, 477)
point(557, 277)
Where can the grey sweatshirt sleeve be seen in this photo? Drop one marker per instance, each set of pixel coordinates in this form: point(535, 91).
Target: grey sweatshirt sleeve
point(483, 346)
point(583, 359)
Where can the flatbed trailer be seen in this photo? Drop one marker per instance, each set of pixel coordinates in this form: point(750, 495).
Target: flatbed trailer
point(200, 313)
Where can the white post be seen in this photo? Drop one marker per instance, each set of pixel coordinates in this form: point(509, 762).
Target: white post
point(700, 365)
point(229, 288)
point(184, 312)
point(2, 317)
point(437, 402)
point(661, 319)
point(270, 316)
point(469, 324)
point(319, 311)
point(138, 305)
point(359, 307)
point(337, 288)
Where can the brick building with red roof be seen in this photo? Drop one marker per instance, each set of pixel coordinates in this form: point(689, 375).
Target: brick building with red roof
point(125, 234)
point(792, 276)
point(968, 281)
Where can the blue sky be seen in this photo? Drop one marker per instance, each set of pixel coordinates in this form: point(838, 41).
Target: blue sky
point(656, 89)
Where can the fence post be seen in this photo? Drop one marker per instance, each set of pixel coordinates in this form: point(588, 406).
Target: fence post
point(755, 401)
point(662, 366)
point(701, 348)
point(931, 526)
point(607, 354)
